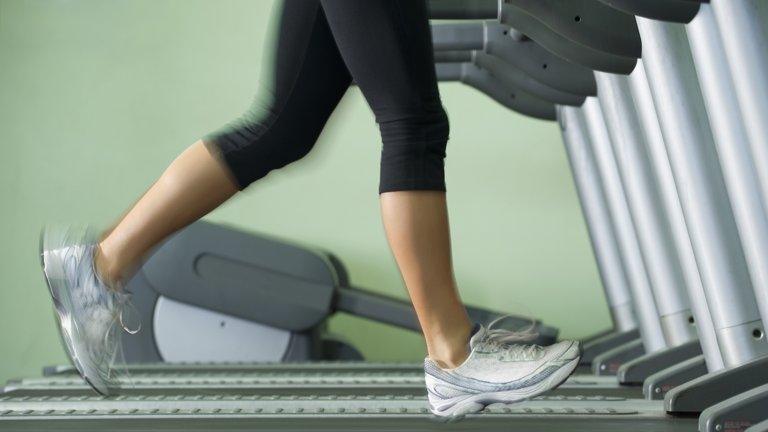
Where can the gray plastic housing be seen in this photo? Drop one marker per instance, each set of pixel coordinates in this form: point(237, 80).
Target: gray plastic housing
point(513, 98)
point(680, 11)
point(263, 280)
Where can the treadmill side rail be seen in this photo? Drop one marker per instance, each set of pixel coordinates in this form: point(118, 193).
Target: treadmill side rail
point(701, 393)
point(609, 362)
point(657, 385)
point(637, 370)
point(597, 346)
point(736, 413)
point(760, 427)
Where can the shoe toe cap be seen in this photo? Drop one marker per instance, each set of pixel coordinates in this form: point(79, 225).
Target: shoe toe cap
point(565, 350)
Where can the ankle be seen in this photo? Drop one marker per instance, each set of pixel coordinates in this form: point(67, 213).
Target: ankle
point(451, 349)
point(106, 268)
point(449, 360)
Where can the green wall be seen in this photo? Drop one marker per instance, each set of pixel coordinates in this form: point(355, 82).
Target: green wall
point(98, 96)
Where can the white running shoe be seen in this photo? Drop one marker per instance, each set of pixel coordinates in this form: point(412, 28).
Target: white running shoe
point(90, 314)
point(498, 371)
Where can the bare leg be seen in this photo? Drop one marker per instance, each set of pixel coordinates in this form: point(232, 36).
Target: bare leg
point(416, 223)
point(194, 184)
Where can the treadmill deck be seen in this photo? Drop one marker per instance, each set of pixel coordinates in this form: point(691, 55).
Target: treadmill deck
point(404, 413)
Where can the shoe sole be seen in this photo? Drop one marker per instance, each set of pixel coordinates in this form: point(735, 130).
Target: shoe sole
point(470, 404)
point(53, 273)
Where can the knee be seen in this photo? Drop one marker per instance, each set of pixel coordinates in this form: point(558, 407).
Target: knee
point(413, 152)
point(252, 147)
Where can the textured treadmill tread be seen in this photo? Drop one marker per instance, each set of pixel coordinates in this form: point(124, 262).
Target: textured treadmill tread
point(240, 378)
point(339, 365)
point(168, 405)
point(358, 413)
point(287, 376)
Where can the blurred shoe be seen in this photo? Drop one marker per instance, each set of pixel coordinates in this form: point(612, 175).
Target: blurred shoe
point(90, 314)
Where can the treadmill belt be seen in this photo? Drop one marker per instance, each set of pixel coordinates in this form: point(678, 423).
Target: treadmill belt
point(297, 367)
point(360, 413)
point(285, 383)
point(253, 387)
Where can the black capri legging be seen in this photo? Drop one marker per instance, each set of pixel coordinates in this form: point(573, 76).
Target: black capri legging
point(315, 49)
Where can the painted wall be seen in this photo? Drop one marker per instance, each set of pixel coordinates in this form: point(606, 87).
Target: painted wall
point(98, 96)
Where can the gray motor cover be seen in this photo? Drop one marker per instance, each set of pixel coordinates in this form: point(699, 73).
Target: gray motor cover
point(244, 275)
point(238, 275)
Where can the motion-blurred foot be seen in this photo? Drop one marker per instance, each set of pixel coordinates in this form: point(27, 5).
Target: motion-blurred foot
point(90, 314)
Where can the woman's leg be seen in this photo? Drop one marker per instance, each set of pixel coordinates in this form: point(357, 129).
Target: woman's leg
point(416, 223)
point(395, 71)
point(193, 185)
point(386, 45)
point(302, 80)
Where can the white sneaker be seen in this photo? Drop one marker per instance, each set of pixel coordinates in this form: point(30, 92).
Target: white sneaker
point(90, 315)
point(497, 371)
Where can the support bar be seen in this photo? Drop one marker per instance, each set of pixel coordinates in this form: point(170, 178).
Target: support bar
point(602, 235)
point(646, 109)
point(649, 219)
point(457, 36)
point(690, 145)
point(645, 306)
point(463, 9)
point(399, 313)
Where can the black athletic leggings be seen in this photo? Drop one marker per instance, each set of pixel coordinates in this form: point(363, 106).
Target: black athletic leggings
point(315, 50)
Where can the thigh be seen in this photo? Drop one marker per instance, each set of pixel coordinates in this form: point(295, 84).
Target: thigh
point(300, 61)
point(387, 47)
point(303, 78)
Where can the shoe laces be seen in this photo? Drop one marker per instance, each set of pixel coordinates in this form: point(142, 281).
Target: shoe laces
point(121, 298)
point(503, 341)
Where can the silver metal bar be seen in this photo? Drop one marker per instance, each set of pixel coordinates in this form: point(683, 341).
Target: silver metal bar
point(648, 217)
point(598, 220)
point(744, 36)
point(690, 146)
point(731, 141)
point(645, 306)
point(641, 94)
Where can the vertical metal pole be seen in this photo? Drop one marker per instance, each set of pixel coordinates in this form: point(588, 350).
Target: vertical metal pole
point(650, 222)
point(684, 125)
point(598, 220)
point(743, 131)
point(641, 94)
point(645, 306)
point(744, 33)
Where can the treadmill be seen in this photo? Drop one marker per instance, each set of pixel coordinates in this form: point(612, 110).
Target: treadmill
point(409, 412)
